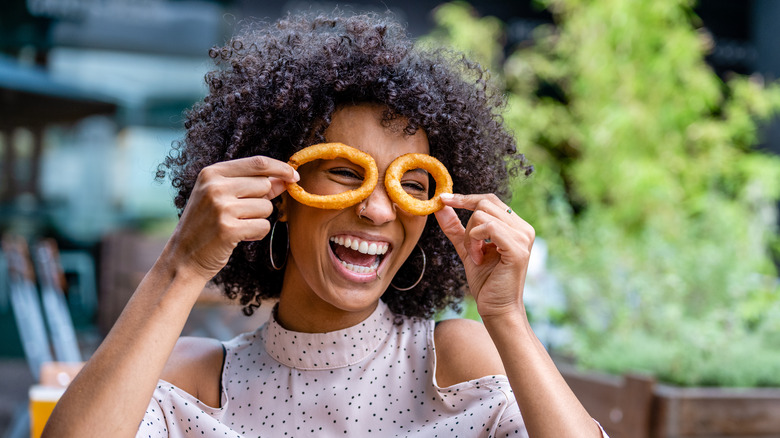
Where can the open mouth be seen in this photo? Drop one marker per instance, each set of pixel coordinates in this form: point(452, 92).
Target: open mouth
point(358, 255)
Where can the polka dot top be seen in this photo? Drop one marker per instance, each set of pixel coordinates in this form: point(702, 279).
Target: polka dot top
point(373, 379)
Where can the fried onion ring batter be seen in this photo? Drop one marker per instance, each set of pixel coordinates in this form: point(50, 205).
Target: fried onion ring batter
point(407, 162)
point(329, 151)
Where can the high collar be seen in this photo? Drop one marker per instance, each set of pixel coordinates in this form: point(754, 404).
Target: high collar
point(323, 351)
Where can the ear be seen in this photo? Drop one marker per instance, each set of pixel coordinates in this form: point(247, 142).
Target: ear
point(281, 203)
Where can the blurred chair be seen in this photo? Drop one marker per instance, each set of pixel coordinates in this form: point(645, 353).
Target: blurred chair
point(52, 281)
point(4, 293)
point(25, 304)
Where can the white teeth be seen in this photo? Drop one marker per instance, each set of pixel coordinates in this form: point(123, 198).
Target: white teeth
point(361, 269)
point(361, 246)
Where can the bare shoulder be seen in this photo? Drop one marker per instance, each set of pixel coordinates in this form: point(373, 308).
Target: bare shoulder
point(464, 351)
point(195, 365)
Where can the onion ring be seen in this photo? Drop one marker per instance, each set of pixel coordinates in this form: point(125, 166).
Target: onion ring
point(329, 151)
point(406, 162)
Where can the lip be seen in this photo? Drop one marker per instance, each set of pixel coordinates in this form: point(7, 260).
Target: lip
point(355, 276)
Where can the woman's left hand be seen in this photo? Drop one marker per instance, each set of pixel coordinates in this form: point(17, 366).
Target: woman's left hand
point(495, 247)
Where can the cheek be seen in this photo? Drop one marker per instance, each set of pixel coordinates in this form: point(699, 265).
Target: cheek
point(413, 228)
point(304, 223)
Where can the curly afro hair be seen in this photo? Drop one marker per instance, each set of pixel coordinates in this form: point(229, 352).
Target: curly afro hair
point(273, 93)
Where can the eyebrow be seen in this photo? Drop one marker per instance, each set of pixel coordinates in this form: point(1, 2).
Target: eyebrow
point(422, 171)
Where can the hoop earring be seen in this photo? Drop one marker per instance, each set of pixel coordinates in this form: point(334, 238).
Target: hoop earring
point(271, 247)
point(422, 273)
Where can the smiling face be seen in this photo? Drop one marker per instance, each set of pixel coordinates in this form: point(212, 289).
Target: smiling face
point(341, 261)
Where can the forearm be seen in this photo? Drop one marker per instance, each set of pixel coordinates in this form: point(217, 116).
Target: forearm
point(110, 395)
point(548, 406)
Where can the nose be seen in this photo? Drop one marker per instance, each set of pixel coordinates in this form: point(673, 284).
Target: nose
point(378, 207)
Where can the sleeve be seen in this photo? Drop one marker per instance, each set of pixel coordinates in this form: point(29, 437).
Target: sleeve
point(153, 425)
point(511, 422)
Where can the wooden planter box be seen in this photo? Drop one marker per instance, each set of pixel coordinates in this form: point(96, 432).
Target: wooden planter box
point(635, 406)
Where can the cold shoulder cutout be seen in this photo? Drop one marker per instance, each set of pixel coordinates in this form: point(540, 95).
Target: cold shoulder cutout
point(464, 351)
point(195, 366)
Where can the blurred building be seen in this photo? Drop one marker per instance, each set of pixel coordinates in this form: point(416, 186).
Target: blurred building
point(83, 174)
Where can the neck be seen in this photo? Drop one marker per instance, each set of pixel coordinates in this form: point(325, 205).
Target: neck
point(301, 309)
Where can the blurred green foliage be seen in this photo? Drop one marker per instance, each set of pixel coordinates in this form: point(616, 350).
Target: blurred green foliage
point(479, 37)
point(659, 211)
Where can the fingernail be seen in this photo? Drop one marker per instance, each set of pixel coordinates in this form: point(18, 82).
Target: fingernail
point(446, 195)
point(296, 175)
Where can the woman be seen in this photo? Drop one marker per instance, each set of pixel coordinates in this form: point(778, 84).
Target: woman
point(350, 349)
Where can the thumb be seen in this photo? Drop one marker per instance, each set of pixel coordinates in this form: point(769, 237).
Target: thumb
point(449, 222)
point(277, 187)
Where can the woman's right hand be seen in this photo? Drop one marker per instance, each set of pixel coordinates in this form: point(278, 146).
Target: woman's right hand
point(230, 203)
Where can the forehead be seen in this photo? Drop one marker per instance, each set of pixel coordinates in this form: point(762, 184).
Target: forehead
point(361, 127)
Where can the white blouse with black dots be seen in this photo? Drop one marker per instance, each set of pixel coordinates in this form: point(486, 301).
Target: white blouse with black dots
point(374, 379)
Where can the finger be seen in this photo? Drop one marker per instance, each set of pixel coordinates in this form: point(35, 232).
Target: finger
point(493, 207)
point(498, 210)
point(277, 187)
point(475, 243)
point(256, 165)
point(252, 208)
point(454, 230)
point(497, 234)
point(449, 222)
point(485, 231)
point(254, 229)
point(472, 202)
point(256, 186)
point(509, 240)
point(249, 186)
